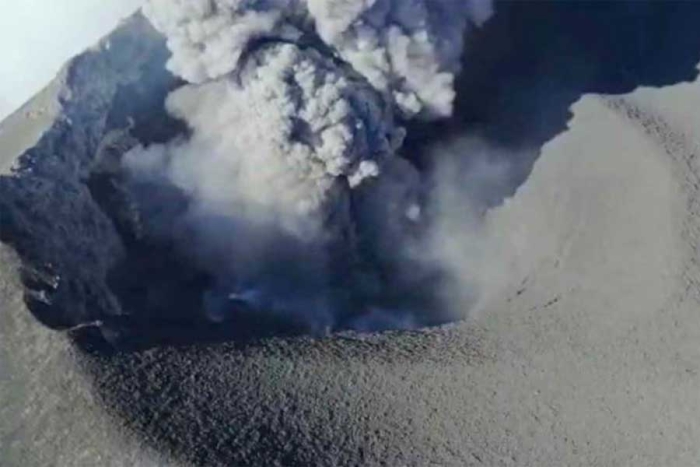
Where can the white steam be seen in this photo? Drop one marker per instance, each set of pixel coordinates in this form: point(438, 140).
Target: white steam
point(297, 195)
point(284, 137)
point(470, 176)
point(410, 49)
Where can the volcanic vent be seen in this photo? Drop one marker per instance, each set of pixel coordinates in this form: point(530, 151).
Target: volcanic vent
point(258, 190)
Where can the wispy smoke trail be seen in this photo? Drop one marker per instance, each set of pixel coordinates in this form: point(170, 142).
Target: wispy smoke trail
point(299, 202)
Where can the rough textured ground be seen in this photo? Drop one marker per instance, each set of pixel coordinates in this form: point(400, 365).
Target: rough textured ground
point(584, 353)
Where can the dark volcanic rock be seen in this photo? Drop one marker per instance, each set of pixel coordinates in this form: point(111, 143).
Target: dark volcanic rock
point(49, 212)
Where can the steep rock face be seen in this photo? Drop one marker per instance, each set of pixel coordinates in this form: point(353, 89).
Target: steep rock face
point(48, 213)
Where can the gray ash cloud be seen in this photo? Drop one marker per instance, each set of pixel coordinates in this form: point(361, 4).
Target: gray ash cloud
point(298, 200)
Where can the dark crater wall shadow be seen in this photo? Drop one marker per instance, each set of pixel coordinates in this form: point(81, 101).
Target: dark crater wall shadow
point(206, 404)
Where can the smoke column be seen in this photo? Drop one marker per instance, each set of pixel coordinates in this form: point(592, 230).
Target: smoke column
point(298, 200)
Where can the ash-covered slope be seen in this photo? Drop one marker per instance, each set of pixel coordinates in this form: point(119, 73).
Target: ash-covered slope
point(584, 352)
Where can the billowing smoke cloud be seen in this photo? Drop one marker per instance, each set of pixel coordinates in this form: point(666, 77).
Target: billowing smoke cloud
point(410, 49)
point(299, 202)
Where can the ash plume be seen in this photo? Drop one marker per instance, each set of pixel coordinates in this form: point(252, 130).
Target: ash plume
point(298, 200)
